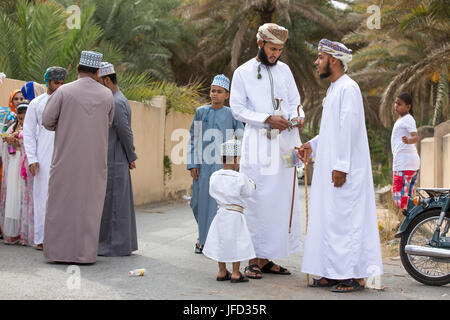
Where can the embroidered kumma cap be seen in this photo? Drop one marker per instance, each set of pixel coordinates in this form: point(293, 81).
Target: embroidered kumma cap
point(22, 107)
point(231, 148)
point(222, 81)
point(91, 59)
point(106, 69)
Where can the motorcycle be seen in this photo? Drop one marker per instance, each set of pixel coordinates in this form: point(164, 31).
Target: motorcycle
point(425, 238)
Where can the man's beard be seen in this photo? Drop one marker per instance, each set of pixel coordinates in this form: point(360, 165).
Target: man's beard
point(51, 89)
point(263, 58)
point(327, 71)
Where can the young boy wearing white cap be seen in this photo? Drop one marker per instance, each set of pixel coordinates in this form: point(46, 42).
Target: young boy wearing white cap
point(229, 239)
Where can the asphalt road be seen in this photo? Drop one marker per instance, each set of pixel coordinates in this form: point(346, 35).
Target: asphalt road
point(167, 234)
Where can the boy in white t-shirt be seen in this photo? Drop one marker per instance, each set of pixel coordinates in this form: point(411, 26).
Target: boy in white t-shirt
point(406, 161)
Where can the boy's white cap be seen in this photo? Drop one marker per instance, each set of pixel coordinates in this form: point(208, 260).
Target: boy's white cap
point(231, 148)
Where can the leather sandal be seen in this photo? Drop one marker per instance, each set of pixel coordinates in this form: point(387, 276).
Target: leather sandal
point(225, 277)
point(352, 284)
point(252, 268)
point(268, 269)
point(242, 278)
point(318, 283)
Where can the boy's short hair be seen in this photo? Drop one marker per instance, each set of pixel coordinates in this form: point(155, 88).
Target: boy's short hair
point(85, 69)
point(228, 159)
point(112, 77)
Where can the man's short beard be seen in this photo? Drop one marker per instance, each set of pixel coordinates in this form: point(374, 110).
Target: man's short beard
point(263, 57)
point(327, 71)
point(51, 89)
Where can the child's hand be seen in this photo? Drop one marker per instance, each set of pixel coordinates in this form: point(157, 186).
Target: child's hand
point(405, 139)
point(195, 173)
point(10, 140)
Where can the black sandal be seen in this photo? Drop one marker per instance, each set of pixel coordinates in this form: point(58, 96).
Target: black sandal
point(198, 248)
point(251, 268)
point(349, 283)
point(225, 277)
point(317, 283)
point(268, 269)
point(242, 278)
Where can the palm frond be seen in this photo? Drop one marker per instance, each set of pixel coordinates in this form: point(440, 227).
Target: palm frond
point(436, 58)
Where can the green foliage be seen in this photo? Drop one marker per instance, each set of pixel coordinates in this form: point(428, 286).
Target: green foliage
point(227, 31)
point(441, 108)
point(143, 30)
point(140, 87)
point(400, 57)
point(380, 154)
point(167, 166)
point(36, 37)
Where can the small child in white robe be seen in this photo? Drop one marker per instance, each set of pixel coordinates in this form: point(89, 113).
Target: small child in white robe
point(228, 238)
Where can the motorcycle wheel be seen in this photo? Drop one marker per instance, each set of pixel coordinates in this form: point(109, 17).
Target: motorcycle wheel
point(427, 270)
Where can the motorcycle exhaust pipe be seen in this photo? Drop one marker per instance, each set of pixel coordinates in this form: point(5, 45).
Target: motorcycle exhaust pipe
point(427, 251)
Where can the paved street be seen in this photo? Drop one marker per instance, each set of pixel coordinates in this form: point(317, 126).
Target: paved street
point(167, 234)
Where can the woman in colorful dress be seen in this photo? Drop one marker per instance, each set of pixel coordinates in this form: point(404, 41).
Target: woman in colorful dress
point(12, 186)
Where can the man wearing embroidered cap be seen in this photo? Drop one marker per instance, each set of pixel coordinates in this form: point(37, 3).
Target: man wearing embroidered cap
point(260, 87)
point(80, 113)
point(212, 125)
point(342, 245)
point(118, 228)
point(39, 148)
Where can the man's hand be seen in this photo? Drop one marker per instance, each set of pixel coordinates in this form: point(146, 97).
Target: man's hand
point(278, 122)
point(300, 123)
point(34, 168)
point(306, 147)
point(132, 165)
point(338, 178)
point(195, 173)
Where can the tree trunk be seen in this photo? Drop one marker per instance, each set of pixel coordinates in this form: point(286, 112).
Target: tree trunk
point(266, 11)
point(441, 106)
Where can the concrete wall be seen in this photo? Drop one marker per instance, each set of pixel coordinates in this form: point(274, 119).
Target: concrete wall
point(439, 132)
point(446, 161)
point(148, 129)
point(152, 130)
point(6, 87)
point(176, 139)
point(424, 132)
point(435, 158)
point(427, 163)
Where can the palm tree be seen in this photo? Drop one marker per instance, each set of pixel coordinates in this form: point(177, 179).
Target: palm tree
point(35, 37)
point(227, 32)
point(142, 30)
point(411, 46)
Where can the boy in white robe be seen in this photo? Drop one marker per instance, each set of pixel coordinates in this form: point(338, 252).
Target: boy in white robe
point(228, 238)
point(38, 143)
point(342, 245)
